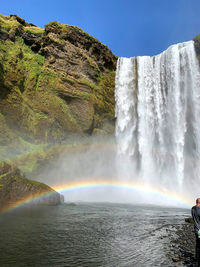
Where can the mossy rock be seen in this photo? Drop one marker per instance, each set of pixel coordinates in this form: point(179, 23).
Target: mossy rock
point(189, 220)
point(197, 45)
point(6, 135)
point(15, 188)
point(53, 82)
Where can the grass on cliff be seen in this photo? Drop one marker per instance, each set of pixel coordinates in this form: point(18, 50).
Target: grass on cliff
point(197, 46)
point(33, 91)
point(20, 63)
point(58, 27)
point(34, 30)
point(103, 94)
point(7, 23)
point(17, 177)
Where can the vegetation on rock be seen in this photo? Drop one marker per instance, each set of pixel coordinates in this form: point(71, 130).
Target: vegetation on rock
point(53, 82)
point(14, 188)
point(197, 45)
point(189, 220)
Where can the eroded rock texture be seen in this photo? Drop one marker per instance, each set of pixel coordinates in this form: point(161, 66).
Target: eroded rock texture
point(53, 81)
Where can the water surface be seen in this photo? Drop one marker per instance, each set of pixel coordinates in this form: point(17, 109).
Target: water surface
point(88, 234)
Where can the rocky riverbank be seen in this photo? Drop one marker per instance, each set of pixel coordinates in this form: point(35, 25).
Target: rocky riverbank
point(182, 245)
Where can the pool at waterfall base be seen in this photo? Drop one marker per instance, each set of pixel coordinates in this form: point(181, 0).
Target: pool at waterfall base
point(89, 234)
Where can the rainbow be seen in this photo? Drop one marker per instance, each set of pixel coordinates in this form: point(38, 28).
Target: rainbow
point(87, 184)
point(126, 185)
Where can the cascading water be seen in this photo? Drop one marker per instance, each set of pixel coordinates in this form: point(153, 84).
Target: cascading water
point(158, 114)
point(157, 133)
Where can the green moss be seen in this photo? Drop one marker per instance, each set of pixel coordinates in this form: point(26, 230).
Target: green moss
point(46, 83)
point(30, 147)
point(8, 23)
point(59, 28)
point(65, 109)
point(189, 220)
point(20, 179)
point(104, 98)
point(25, 74)
point(38, 184)
point(21, 66)
point(29, 167)
point(47, 79)
point(88, 83)
point(32, 89)
point(6, 134)
point(28, 161)
point(3, 175)
point(197, 45)
point(56, 40)
point(67, 79)
point(197, 38)
point(34, 30)
point(97, 131)
point(91, 62)
point(55, 26)
point(84, 95)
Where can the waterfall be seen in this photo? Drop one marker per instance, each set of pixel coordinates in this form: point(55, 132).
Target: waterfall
point(158, 114)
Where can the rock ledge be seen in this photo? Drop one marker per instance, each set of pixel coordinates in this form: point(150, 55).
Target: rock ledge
point(15, 188)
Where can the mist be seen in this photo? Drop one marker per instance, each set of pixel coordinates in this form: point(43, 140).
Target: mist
point(156, 148)
point(155, 154)
point(98, 160)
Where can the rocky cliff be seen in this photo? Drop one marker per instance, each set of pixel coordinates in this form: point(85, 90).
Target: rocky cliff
point(15, 188)
point(197, 45)
point(53, 82)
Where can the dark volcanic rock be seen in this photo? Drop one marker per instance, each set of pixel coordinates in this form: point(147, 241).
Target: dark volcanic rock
point(14, 188)
point(183, 246)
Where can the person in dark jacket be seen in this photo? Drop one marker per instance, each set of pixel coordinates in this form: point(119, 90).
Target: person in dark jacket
point(195, 211)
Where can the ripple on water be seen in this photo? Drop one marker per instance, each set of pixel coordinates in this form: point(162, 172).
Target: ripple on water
point(88, 235)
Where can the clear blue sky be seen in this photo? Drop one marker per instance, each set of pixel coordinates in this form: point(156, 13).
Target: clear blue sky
point(127, 27)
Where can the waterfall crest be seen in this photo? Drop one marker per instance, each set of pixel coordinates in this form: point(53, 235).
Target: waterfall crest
point(158, 113)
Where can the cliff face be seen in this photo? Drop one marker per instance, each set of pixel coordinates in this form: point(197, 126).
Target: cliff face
point(53, 81)
point(197, 45)
point(15, 187)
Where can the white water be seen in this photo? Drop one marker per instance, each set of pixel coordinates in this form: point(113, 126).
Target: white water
point(158, 116)
point(157, 133)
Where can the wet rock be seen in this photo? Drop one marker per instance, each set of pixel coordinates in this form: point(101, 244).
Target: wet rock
point(175, 259)
point(189, 220)
point(182, 248)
